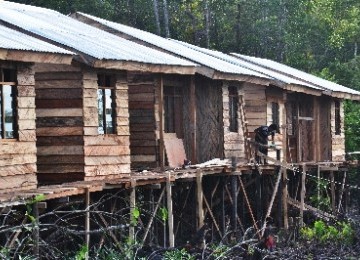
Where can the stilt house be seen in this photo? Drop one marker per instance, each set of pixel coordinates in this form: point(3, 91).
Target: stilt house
point(19, 53)
point(82, 124)
point(241, 101)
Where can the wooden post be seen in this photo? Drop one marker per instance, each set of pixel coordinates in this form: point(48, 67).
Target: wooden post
point(170, 211)
point(258, 184)
point(132, 208)
point(161, 122)
point(193, 120)
point(36, 230)
point(234, 215)
point(200, 199)
point(223, 221)
point(333, 198)
point(318, 182)
point(284, 173)
point(87, 222)
point(342, 191)
point(302, 195)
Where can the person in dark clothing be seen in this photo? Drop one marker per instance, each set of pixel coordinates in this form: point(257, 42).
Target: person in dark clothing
point(261, 139)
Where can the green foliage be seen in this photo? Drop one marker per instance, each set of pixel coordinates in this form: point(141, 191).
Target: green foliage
point(340, 233)
point(164, 214)
point(135, 216)
point(178, 254)
point(219, 250)
point(82, 253)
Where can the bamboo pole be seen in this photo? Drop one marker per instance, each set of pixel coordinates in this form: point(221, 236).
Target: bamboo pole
point(170, 211)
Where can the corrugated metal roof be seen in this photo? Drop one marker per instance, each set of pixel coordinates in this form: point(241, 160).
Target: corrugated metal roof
point(82, 37)
point(14, 40)
point(178, 49)
point(298, 74)
point(242, 63)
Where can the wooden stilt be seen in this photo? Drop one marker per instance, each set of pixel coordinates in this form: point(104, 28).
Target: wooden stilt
point(170, 211)
point(318, 182)
point(152, 216)
point(234, 215)
point(271, 202)
point(36, 230)
point(200, 199)
point(87, 222)
point(342, 191)
point(285, 198)
point(333, 198)
point(223, 221)
point(212, 217)
point(302, 194)
point(132, 208)
point(259, 198)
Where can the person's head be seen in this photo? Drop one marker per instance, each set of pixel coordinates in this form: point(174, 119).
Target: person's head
point(273, 128)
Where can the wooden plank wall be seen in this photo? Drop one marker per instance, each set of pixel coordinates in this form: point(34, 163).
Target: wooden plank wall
point(325, 128)
point(106, 156)
point(234, 143)
point(338, 141)
point(278, 96)
point(255, 105)
point(144, 120)
point(18, 157)
point(209, 119)
point(59, 123)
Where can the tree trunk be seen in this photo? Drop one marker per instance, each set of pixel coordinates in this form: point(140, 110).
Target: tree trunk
point(166, 19)
point(157, 20)
point(207, 23)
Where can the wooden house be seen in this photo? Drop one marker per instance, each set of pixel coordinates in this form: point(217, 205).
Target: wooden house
point(210, 123)
point(19, 54)
point(82, 124)
point(308, 107)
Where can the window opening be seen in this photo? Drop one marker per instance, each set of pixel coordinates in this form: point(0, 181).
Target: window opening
point(337, 118)
point(8, 104)
point(106, 104)
point(233, 109)
point(173, 110)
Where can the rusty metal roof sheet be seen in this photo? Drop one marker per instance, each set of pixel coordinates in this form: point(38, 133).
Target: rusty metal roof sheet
point(81, 37)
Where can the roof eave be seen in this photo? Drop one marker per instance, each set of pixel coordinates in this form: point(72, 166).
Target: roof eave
point(36, 57)
point(144, 67)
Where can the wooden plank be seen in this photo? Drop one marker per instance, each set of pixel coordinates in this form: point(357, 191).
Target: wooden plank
point(107, 160)
point(64, 112)
point(59, 103)
point(59, 122)
point(199, 199)
point(175, 151)
point(193, 120)
point(302, 194)
point(107, 140)
point(67, 93)
point(161, 122)
point(18, 182)
point(59, 131)
point(61, 150)
point(27, 135)
point(59, 140)
point(101, 170)
point(26, 90)
point(53, 83)
point(106, 150)
point(20, 169)
point(17, 148)
point(60, 168)
point(14, 159)
point(60, 159)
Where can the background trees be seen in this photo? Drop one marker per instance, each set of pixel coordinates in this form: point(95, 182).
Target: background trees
point(317, 36)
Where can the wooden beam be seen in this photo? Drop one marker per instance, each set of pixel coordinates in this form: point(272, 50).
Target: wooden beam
point(333, 198)
point(161, 123)
point(200, 200)
point(87, 222)
point(193, 120)
point(170, 211)
point(302, 194)
point(342, 191)
point(132, 208)
point(284, 171)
